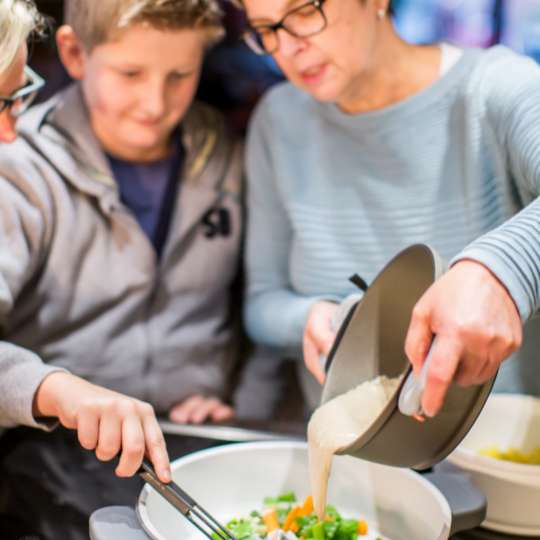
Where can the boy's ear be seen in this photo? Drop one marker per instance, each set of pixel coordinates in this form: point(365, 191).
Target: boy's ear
point(71, 51)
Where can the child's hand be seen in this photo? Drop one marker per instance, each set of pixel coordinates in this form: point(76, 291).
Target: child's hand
point(106, 421)
point(198, 409)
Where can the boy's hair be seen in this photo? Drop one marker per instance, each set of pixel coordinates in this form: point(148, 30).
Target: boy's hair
point(18, 19)
point(96, 22)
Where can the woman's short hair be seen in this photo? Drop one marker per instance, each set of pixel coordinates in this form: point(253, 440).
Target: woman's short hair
point(96, 22)
point(18, 19)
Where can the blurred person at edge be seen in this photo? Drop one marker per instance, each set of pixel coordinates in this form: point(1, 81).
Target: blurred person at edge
point(19, 20)
point(19, 85)
point(114, 278)
point(374, 144)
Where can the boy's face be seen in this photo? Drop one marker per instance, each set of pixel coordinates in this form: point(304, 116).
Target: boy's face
point(138, 87)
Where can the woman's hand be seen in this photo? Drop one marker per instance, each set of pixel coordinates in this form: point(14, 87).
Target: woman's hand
point(319, 336)
point(107, 422)
point(477, 326)
point(198, 409)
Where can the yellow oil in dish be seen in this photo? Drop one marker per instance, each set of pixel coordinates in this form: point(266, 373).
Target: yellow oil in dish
point(513, 454)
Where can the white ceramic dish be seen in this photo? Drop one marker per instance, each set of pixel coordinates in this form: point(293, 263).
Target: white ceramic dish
point(232, 480)
point(512, 489)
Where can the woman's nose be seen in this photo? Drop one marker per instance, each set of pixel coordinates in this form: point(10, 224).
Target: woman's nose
point(289, 45)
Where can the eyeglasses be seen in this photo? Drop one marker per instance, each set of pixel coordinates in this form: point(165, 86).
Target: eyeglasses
point(22, 98)
point(301, 22)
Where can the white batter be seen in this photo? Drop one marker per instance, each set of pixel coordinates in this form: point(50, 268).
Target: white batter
point(337, 424)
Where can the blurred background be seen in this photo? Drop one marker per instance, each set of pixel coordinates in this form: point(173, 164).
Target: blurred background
point(234, 78)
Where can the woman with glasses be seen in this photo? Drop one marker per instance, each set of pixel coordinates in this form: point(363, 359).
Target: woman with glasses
point(375, 144)
point(18, 83)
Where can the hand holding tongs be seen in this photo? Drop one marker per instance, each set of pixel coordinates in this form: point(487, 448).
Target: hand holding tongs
point(189, 508)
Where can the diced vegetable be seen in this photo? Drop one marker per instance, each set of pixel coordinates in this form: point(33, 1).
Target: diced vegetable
point(290, 520)
point(307, 507)
point(271, 521)
point(362, 527)
point(318, 531)
point(288, 497)
point(282, 520)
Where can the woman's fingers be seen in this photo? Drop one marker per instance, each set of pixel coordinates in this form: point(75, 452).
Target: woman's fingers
point(110, 431)
point(312, 357)
point(156, 449)
point(88, 427)
point(133, 446)
point(445, 357)
point(419, 338)
point(318, 337)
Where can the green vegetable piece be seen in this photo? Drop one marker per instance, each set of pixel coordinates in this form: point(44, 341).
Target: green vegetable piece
point(282, 513)
point(318, 531)
point(330, 529)
point(242, 528)
point(306, 524)
point(332, 512)
point(287, 497)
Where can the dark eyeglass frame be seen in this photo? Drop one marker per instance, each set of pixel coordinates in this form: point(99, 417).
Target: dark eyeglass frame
point(27, 93)
point(281, 24)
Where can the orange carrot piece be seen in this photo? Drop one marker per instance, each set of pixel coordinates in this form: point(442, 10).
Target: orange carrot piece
point(362, 527)
point(307, 507)
point(271, 520)
point(290, 519)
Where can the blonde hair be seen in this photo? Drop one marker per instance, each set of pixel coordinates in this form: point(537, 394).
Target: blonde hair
point(95, 22)
point(18, 19)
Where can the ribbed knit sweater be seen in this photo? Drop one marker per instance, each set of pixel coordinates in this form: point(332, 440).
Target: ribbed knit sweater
point(456, 166)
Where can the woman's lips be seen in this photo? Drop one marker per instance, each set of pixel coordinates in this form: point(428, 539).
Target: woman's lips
point(313, 75)
point(147, 123)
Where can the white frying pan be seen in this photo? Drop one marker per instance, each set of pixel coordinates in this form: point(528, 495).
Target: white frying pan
point(232, 480)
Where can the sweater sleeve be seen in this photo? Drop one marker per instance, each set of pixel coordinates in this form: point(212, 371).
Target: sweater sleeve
point(512, 251)
point(274, 314)
point(21, 233)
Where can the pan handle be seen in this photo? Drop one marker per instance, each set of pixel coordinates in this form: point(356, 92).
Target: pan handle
point(467, 503)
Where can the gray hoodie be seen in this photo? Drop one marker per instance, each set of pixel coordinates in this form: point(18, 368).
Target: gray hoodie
point(80, 285)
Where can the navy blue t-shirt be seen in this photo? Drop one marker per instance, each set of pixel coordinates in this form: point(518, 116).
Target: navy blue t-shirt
point(148, 190)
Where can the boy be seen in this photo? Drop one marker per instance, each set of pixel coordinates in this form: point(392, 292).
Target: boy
point(120, 227)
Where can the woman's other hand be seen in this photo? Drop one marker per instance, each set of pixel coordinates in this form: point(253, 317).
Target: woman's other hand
point(477, 326)
point(319, 336)
point(198, 409)
point(106, 422)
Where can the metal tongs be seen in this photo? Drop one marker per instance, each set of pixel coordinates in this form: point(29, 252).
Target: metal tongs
point(189, 508)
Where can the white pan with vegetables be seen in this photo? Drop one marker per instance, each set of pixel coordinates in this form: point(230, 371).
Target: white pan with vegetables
point(264, 487)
